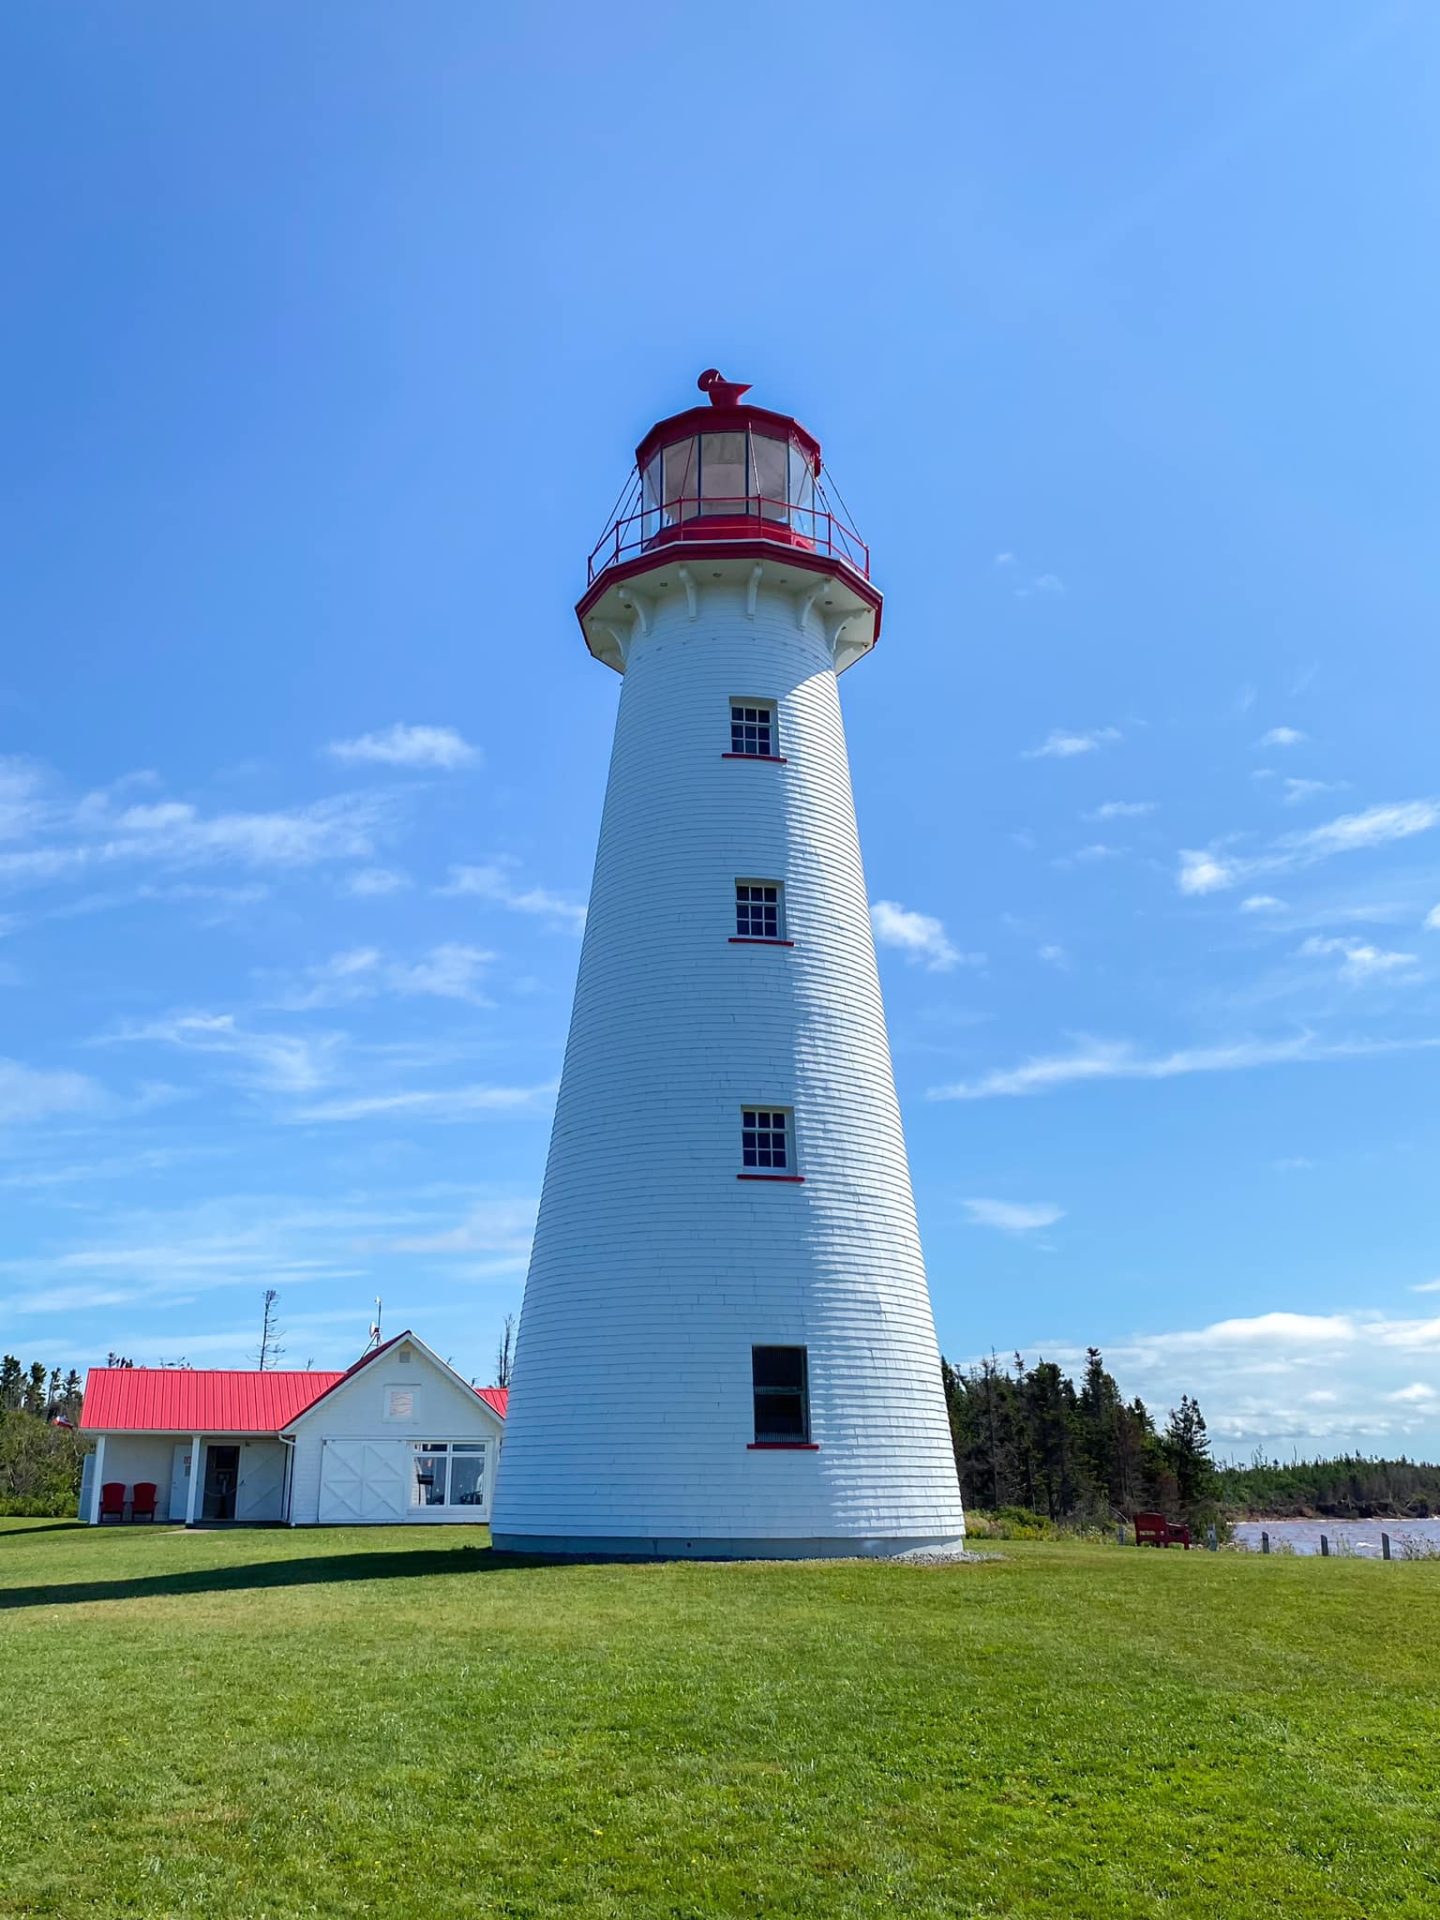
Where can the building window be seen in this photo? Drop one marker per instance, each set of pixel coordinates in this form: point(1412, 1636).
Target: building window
point(449, 1473)
point(765, 1139)
point(757, 910)
point(780, 1376)
point(431, 1461)
point(752, 729)
point(400, 1403)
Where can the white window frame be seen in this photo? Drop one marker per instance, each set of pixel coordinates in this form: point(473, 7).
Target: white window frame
point(768, 708)
point(754, 907)
point(444, 1451)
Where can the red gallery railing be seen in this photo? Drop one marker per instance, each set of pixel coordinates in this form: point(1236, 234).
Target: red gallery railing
point(718, 519)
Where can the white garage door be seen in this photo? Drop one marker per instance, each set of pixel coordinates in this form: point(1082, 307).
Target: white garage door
point(363, 1480)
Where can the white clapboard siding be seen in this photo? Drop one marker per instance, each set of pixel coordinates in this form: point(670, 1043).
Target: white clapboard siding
point(654, 1269)
point(444, 1408)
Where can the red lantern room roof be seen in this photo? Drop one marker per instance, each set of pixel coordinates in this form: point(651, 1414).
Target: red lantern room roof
point(728, 485)
point(726, 413)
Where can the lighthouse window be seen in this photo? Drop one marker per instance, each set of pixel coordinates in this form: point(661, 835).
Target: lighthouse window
point(757, 910)
point(780, 1376)
point(765, 1139)
point(722, 472)
point(682, 481)
point(768, 476)
point(752, 730)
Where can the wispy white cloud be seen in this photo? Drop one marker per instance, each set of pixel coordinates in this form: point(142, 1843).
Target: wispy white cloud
point(1121, 810)
point(499, 1229)
point(1298, 790)
point(1093, 855)
point(1122, 1060)
point(1281, 737)
point(1053, 955)
point(1261, 903)
point(29, 1094)
point(1004, 560)
point(406, 746)
point(375, 883)
point(1013, 1216)
point(1432, 920)
point(450, 971)
point(496, 881)
point(1041, 586)
point(919, 936)
point(427, 1103)
point(1213, 869)
point(1061, 745)
point(272, 1062)
point(93, 835)
point(1362, 962)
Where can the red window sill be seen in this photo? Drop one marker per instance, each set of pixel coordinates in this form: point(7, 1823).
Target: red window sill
point(785, 1179)
point(782, 1446)
point(754, 940)
point(774, 759)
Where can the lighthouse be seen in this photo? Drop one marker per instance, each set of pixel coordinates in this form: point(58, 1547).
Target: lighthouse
point(726, 1347)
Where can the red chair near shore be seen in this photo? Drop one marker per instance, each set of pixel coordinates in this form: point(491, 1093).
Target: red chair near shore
point(112, 1500)
point(1154, 1530)
point(142, 1501)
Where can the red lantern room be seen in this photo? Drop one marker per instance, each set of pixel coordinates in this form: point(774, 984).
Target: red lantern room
point(721, 491)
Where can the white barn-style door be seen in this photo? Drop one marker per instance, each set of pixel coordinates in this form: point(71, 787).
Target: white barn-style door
point(262, 1480)
point(364, 1480)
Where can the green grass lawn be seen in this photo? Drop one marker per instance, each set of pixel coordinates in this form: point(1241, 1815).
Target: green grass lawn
point(359, 1722)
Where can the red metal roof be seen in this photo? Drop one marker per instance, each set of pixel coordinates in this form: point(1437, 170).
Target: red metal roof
point(196, 1400)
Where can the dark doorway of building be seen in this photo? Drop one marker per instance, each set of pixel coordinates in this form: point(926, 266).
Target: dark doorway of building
point(222, 1471)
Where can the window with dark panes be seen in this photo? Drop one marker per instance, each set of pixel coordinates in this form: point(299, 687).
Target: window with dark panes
point(765, 1139)
point(780, 1378)
point(752, 729)
point(757, 910)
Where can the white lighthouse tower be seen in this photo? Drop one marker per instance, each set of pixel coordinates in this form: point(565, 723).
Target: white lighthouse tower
point(726, 1346)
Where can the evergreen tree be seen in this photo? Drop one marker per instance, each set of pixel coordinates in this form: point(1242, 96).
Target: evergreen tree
point(1186, 1447)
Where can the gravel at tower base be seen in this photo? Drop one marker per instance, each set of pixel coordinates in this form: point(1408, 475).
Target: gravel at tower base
point(726, 1346)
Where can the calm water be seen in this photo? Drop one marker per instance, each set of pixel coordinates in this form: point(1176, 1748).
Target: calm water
point(1361, 1536)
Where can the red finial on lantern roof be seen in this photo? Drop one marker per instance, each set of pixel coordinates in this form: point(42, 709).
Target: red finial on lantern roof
point(722, 392)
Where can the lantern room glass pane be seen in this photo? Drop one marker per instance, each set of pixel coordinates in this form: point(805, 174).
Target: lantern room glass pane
point(722, 473)
point(768, 481)
point(650, 498)
point(682, 481)
point(802, 492)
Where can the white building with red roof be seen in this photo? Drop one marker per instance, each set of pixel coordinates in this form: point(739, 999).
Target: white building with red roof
point(397, 1437)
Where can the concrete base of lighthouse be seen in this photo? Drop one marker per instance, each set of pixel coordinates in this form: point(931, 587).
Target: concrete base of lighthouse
point(636, 1547)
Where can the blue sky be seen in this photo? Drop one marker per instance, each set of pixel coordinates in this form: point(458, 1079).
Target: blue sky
point(328, 332)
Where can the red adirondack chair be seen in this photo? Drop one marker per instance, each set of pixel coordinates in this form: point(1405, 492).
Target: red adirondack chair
point(112, 1500)
point(142, 1501)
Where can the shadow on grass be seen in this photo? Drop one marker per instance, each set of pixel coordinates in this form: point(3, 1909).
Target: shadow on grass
point(317, 1570)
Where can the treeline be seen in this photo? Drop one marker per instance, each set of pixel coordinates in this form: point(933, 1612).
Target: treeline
point(1029, 1437)
point(39, 1459)
point(1348, 1488)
